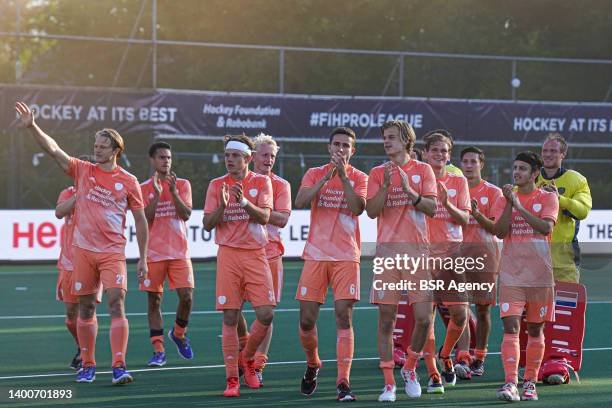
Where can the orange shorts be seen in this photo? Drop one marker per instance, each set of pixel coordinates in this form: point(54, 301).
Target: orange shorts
point(317, 276)
point(243, 274)
point(539, 303)
point(178, 271)
point(63, 289)
point(93, 270)
point(276, 267)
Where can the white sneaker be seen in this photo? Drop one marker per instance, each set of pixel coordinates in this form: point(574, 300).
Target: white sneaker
point(388, 394)
point(529, 391)
point(413, 388)
point(508, 392)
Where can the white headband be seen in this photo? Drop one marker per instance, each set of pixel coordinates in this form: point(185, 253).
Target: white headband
point(236, 145)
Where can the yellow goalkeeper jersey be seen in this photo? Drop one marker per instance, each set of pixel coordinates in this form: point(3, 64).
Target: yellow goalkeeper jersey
point(575, 202)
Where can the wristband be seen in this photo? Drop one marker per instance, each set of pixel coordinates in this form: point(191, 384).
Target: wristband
point(417, 201)
point(243, 202)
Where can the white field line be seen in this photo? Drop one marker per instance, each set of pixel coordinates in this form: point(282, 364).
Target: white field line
point(205, 367)
point(211, 312)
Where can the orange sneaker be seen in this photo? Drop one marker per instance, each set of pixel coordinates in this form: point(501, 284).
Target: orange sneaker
point(233, 387)
point(250, 376)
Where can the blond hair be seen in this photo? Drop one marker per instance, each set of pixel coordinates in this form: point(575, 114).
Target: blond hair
point(558, 138)
point(114, 137)
point(262, 139)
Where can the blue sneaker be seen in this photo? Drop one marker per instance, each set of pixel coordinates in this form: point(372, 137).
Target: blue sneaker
point(121, 376)
point(182, 346)
point(86, 375)
point(158, 359)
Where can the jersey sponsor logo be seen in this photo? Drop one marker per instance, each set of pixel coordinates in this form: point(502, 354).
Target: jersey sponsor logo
point(222, 299)
point(537, 207)
point(352, 183)
point(151, 195)
point(416, 179)
point(484, 200)
point(253, 192)
point(118, 186)
point(505, 307)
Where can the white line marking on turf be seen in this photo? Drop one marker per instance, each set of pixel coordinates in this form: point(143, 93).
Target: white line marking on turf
point(204, 367)
point(200, 312)
point(208, 312)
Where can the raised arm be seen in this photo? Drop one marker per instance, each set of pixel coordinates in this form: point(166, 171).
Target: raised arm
point(50, 146)
point(182, 209)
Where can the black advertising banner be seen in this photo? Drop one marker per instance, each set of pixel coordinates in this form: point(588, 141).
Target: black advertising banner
point(216, 114)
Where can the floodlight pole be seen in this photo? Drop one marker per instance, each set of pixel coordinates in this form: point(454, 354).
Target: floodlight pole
point(400, 86)
point(154, 40)
point(511, 79)
point(18, 27)
point(281, 71)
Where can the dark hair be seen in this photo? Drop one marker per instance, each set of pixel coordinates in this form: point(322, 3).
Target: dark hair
point(473, 149)
point(443, 132)
point(418, 153)
point(533, 159)
point(406, 131)
point(239, 138)
point(343, 131)
point(432, 138)
point(156, 146)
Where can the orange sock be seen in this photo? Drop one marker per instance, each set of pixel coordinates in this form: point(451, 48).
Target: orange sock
point(256, 336)
point(387, 369)
point(310, 343)
point(429, 354)
point(533, 357)
point(345, 348)
point(260, 360)
point(87, 330)
point(119, 334)
point(71, 325)
point(411, 359)
point(510, 352)
point(453, 332)
point(229, 346)
point(464, 355)
point(480, 354)
point(179, 332)
point(158, 343)
point(242, 341)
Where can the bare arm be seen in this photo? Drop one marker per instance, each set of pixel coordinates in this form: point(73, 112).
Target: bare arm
point(305, 195)
point(483, 221)
point(142, 236)
point(182, 210)
point(64, 208)
point(47, 143)
point(427, 205)
point(278, 219)
point(212, 219)
point(355, 203)
point(375, 205)
point(543, 226)
point(257, 214)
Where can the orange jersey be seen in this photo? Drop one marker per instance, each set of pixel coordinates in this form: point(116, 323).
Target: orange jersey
point(66, 253)
point(103, 197)
point(334, 229)
point(281, 190)
point(236, 228)
point(526, 258)
point(486, 194)
point(167, 232)
point(442, 228)
point(399, 221)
